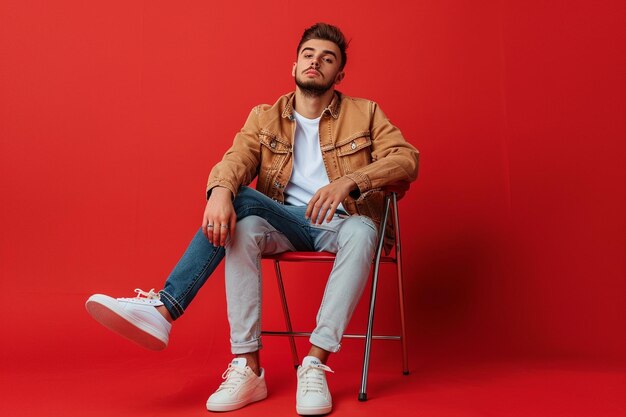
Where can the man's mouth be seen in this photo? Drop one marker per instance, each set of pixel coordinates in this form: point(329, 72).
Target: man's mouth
point(312, 71)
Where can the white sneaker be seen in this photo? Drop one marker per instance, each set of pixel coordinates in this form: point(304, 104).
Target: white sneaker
point(241, 387)
point(136, 319)
point(313, 396)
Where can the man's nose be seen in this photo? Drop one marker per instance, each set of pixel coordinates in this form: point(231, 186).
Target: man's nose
point(315, 63)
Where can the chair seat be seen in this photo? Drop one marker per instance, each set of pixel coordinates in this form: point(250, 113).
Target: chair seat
point(313, 257)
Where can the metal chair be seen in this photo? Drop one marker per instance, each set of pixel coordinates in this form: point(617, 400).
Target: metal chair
point(395, 257)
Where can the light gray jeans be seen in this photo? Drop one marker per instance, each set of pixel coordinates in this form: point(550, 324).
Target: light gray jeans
point(352, 238)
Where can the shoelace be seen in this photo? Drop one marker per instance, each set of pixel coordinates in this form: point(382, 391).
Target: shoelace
point(150, 295)
point(313, 377)
point(232, 377)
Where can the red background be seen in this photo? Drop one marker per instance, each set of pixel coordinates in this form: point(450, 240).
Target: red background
point(112, 114)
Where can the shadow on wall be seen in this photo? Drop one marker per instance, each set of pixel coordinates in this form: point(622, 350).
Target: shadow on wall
point(452, 298)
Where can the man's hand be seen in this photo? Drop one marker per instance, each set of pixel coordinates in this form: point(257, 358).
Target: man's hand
point(219, 216)
point(325, 201)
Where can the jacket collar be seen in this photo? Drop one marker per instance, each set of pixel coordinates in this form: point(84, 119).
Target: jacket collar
point(332, 108)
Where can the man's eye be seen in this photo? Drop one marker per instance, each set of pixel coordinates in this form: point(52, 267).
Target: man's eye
point(308, 56)
point(329, 60)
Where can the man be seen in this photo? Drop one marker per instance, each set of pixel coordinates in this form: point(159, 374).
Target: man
point(321, 160)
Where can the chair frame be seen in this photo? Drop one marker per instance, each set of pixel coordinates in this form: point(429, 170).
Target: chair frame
point(390, 208)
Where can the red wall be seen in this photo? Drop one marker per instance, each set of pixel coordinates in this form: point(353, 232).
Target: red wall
point(112, 114)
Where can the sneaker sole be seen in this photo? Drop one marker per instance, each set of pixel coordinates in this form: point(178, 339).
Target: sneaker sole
point(235, 406)
point(313, 411)
point(102, 309)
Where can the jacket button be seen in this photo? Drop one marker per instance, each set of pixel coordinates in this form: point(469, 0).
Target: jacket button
point(353, 145)
point(273, 144)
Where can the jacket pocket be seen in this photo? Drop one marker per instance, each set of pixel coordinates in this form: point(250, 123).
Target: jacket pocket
point(355, 152)
point(274, 155)
point(273, 144)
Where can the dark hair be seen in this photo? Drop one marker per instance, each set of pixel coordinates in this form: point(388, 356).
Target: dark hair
point(326, 32)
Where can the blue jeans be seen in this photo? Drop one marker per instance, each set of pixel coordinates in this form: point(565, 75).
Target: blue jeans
point(201, 257)
point(265, 226)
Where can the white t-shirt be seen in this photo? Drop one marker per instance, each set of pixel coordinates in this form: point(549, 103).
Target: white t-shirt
point(308, 174)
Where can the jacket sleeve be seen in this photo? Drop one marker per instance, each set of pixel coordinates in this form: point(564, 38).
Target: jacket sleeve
point(393, 158)
point(240, 163)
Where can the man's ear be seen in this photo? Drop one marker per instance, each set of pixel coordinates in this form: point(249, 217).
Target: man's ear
point(339, 77)
point(293, 69)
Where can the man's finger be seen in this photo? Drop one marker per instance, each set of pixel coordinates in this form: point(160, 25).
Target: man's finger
point(209, 231)
point(309, 207)
point(317, 211)
point(223, 233)
point(216, 234)
point(331, 213)
point(326, 205)
point(233, 223)
point(322, 214)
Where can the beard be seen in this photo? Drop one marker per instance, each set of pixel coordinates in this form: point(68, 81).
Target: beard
point(313, 89)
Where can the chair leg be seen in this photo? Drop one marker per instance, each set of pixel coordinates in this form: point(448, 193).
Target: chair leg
point(396, 225)
point(283, 300)
point(370, 320)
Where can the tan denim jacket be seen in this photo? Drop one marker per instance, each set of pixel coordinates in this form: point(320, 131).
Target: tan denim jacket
point(356, 139)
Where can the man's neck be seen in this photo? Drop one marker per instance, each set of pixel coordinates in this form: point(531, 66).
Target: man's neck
point(312, 107)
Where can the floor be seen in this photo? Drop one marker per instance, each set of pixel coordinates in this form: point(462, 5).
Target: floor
point(177, 384)
point(62, 364)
